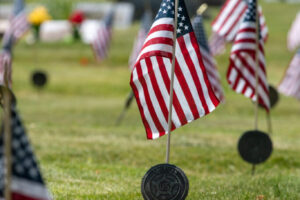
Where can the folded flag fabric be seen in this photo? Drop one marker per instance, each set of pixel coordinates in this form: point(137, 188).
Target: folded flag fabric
point(27, 181)
point(290, 84)
point(241, 72)
point(150, 77)
point(208, 60)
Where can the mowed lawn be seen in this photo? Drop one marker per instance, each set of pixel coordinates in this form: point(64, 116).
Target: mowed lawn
point(83, 155)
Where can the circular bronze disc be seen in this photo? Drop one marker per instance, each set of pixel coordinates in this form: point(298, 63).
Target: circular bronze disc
point(12, 96)
point(39, 79)
point(274, 97)
point(255, 147)
point(165, 182)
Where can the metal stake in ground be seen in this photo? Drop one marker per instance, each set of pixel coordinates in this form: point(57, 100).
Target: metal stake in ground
point(172, 83)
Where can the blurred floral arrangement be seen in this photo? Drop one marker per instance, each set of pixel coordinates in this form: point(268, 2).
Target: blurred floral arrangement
point(37, 17)
point(76, 18)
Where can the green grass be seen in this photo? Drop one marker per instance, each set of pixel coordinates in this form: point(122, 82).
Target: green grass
point(83, 155)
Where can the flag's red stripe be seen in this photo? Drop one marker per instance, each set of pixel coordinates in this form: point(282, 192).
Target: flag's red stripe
point(158, 40)
point(162, 27)
point(229, 15)
point(16, 196)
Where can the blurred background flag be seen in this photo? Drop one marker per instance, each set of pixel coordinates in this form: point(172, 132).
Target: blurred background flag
point(293, 35)
point(18, 26)
point(141, 37)
point(18, 22)
point(290, 85)
point(241, 72)
point(208, 60)
point(150, 78)
point(226, 24)
point(217, 44)
point(27, 182)
point(102, 42)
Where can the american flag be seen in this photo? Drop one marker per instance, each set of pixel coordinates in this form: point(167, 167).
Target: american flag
point(18, 26)
point(150, 77)
point(18, 22)
point(227, 22)
point(217, 44)
point(208, 60)
point(293, 36)
point(290, 84)
point(27, 182)
point(141, 37)
point(241, 72)
point(102, 41)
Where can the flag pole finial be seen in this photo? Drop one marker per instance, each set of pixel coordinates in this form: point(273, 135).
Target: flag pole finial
point(202, 9)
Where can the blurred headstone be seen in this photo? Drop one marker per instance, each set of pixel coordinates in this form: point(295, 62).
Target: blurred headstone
point(55, 30)
point(4, 25)
point(88, 30)
point(123, 15)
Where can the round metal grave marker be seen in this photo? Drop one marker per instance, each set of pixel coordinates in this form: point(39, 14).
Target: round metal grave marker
point(165, 182)
point(13, 98)
point(255, 147)
point(39, 79)
point(274, 97)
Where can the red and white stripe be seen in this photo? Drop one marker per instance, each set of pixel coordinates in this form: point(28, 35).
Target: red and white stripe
point(138, 45)
point(19, 25)
point(5, 67)
point(150, 80)
point(102, 42)
point(290, 85)
point(293, 40)
point(212, 73)
point(217, 44)
point(227, 22)
point(241, 72)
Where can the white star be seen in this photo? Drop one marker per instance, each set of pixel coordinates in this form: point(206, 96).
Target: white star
point(173, 12)
point(180, 9)
point(169, 7)
point(27, 163)
point(178, 15)
point(168, 0)
point(178, 31)
point(186, 27)
point(33, 172)
point(164, 4)
point(183, 18)
point(180, 24)
point(19, 169)
point(164, 11)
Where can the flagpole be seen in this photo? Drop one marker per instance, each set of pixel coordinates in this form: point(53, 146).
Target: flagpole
point(172, 82)
point(256, 68)
point(7, 137)
point(256, 75)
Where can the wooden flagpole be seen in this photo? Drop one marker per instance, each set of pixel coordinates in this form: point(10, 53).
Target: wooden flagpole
point(256, 74)
point(172, 83)
point(7, 136)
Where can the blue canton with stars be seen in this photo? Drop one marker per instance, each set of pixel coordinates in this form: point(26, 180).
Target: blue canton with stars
point(167, 9)
point(24, 164)
point(251, 12)
point(200, 32)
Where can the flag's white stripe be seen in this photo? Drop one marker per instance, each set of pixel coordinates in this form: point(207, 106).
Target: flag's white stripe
point(196, 63)
point(144, 105)
point(156, 47)
point(165, 20)
point(240, 86)
point(153, 97)
point(178, 90)
point(159, 34)
point(30, 189)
